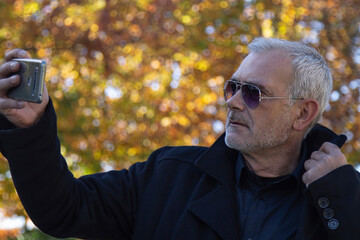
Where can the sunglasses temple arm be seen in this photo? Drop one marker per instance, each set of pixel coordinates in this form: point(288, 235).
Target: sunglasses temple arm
point(280, 98)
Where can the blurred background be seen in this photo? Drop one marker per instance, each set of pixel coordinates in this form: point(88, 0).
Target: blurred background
point(129, 76)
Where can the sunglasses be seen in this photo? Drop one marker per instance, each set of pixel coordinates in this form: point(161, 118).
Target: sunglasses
point(251, 94)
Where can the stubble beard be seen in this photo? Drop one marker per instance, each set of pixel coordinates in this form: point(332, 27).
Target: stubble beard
point(275, 133)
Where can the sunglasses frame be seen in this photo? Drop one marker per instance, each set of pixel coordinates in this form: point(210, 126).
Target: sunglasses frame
point(239, 86)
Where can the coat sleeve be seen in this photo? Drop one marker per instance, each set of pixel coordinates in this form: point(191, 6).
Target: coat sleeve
point(98, 206)
point(336, 198)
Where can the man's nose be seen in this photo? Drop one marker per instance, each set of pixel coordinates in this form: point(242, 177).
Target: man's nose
point(236, 102)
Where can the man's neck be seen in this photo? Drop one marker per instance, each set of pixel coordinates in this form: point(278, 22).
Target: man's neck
point(274, 162)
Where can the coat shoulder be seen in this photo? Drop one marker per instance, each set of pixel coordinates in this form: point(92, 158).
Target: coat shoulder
point(184, 154)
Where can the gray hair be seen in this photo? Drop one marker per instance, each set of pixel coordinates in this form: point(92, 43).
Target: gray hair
point(312, 77)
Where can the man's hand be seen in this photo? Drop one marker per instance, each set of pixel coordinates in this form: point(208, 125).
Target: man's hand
point(328, 158)
point(21, 114)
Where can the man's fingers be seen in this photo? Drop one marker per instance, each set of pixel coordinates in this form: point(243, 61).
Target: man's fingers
point(309, 164)
point(16, 53)
point(332, 154)
point(306, 179)
point(328, 147)
point(7, 83)
point(7, 104)
point(319, 155)
point(328, 158)
point(8, 68)
point(11, 66)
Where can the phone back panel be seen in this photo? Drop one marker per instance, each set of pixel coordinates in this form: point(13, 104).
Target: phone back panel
point(32, 75)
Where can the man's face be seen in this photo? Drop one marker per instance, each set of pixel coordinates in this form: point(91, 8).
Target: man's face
point(269, 125)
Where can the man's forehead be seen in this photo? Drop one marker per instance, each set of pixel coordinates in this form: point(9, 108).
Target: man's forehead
point(264, 69)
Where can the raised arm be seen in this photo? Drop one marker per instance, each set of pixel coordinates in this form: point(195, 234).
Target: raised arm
point(98, 206)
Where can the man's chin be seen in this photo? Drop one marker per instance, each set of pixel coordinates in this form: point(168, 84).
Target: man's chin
point(233, 140)
point(239, 146)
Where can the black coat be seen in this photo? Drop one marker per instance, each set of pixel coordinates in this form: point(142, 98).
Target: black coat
point(179, 193)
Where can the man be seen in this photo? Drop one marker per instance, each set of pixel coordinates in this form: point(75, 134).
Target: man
point(272, 175)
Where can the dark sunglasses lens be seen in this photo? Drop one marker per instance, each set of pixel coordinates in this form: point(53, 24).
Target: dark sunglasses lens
point(229, 90)
point(251, 95)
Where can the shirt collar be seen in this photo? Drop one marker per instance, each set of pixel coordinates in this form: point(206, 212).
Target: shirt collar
point(240, 167)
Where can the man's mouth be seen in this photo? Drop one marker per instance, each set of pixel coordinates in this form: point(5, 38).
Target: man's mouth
point(236, 120)
point(237, 123)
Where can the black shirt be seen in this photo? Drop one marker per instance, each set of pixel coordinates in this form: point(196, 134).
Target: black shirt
point(269, 208)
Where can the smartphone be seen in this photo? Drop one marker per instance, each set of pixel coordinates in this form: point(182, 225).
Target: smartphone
point(32, 77)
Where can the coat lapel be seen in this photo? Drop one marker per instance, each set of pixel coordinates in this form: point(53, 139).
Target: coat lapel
point(217, 208)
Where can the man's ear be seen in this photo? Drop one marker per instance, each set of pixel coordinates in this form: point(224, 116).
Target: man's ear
point(308, 110)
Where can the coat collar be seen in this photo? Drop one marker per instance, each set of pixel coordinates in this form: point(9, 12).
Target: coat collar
point(320, 134)
point(219, 161)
